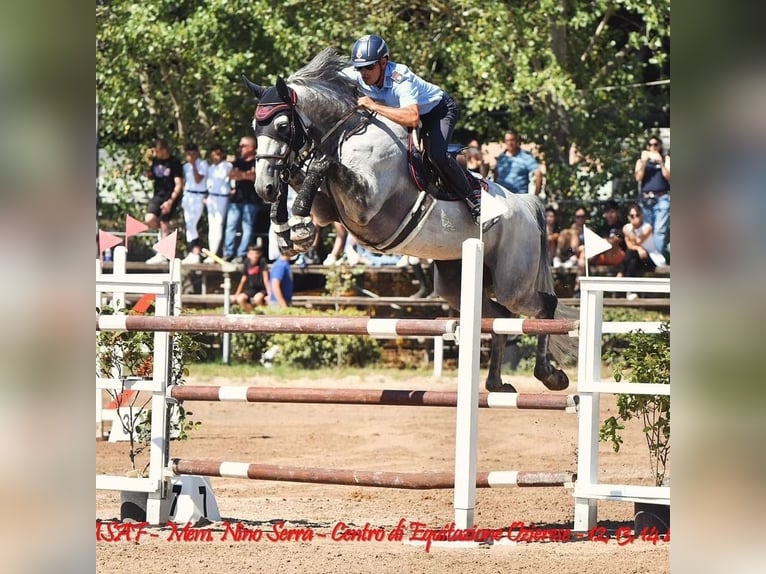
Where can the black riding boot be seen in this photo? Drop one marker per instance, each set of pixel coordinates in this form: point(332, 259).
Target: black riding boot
point(463, 189)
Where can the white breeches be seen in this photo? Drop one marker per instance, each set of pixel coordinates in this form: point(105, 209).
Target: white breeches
point(192, 204)
point(216, 219)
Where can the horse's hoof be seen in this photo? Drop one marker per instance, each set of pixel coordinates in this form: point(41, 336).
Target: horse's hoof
point(303, 246)
point(302, 234)
point(302, 229)
point(285, 246)
point(501, 388)
point(557, 381)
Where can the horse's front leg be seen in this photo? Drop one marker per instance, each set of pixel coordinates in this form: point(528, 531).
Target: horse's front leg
point(302, 228)
point(278, 216)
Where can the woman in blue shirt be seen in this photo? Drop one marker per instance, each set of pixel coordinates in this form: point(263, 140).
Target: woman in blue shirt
point(393, 91)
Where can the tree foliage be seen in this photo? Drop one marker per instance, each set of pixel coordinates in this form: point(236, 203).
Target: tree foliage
point(561, 72)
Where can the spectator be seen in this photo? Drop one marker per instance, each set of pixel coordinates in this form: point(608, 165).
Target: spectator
point(244, 204)
point(195, 178)
point(253, 289)
point(281, 283)
point(552, 231)
point(217, 202)
point(167, 174)
point(572, 242)
point(367, 257)
point(478, 164)
point(338, 246)
point(515, 165)
point(653, 177)
point(611, 230)
point(642, 254)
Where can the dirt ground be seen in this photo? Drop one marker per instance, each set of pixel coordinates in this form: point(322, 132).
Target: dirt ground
point(390, 438)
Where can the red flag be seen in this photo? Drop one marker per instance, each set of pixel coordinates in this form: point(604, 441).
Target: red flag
point(144, 303)
point(133, 227)
point(167, 246)
point(107, 241)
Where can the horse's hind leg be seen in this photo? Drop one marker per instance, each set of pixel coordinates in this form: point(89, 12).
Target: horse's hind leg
point(494, 382)
point(447, 284)
point(554, 379)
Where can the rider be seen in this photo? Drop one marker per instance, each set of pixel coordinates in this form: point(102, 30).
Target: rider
point(395, 92)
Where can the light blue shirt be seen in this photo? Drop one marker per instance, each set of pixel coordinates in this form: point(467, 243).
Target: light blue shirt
point(401, 88)
point(512, 171)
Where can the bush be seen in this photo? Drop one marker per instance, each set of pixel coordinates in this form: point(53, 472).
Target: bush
point(307, 351)
point(646, 360)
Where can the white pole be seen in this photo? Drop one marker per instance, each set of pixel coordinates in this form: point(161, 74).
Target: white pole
point(588, 370)
point(438, 356)
point(466, 430)
point(226, 309)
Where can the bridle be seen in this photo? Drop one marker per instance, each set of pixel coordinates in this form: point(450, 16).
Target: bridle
point(272, 105)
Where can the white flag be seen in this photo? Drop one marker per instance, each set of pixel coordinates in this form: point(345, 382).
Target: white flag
point(491, 207)
point(594, 244)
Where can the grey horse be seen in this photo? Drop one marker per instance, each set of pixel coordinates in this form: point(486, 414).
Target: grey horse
point(352, 167)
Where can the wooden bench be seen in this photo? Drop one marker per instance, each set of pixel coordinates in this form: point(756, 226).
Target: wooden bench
point(437, 305)
point(203, 286)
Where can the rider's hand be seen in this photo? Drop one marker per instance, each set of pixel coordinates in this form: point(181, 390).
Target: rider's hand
point(366, 102)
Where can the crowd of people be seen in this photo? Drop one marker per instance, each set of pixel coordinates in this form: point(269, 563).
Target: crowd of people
point(225, 188)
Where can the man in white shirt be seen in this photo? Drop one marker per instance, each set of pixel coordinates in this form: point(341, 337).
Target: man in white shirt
point(195, 174)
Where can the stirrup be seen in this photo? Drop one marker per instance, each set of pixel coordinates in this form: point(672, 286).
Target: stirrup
point(475, 210)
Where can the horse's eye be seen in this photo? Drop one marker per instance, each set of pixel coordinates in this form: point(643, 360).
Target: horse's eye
point(282, 124)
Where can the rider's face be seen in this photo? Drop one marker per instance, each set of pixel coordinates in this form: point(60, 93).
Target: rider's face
point(372, 75)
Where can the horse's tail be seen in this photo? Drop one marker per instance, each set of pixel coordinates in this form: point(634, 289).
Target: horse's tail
point(563, 347)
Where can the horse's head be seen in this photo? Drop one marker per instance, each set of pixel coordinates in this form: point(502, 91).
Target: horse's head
point(281, 136)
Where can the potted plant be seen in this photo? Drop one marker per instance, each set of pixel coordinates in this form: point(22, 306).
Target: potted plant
point(647, 360)
point(129, 355)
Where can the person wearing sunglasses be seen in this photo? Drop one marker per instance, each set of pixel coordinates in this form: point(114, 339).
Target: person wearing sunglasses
point(395, 92)
point(642, 253)
point(653, 176)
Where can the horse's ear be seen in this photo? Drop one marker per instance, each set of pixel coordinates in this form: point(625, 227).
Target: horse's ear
point(284, 92)
point(257, 90)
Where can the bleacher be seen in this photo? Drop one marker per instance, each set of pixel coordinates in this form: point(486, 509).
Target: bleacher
point(381, 291)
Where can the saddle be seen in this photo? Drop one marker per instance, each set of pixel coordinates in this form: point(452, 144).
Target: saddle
point(426, 176)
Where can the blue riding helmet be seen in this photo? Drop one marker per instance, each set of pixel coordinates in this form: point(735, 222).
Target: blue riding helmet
point(368, 50)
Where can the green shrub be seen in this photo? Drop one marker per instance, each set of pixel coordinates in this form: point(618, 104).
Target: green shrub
point(646, 360)
point(307, 351)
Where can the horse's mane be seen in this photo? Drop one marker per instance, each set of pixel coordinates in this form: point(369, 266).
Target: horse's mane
point(324, 82)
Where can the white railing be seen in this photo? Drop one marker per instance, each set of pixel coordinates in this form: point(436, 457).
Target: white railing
point(111, 289)
point(588, 491)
